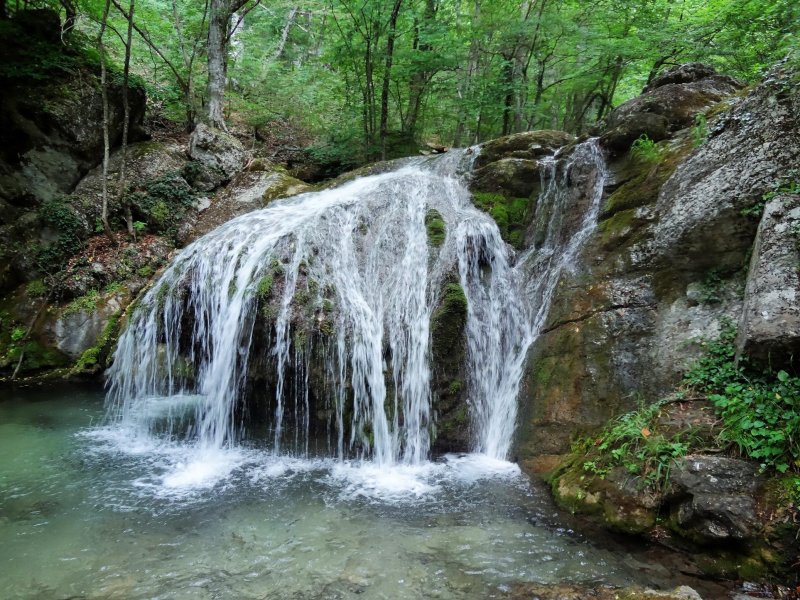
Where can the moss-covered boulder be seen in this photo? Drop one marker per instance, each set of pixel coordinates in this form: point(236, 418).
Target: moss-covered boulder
point(508, 176)
point(669, 103)
point(529, 145)
point(448, 351)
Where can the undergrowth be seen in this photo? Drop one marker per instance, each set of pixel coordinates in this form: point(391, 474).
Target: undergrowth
point(759, 413)
point(645, 150)
point(638, 443)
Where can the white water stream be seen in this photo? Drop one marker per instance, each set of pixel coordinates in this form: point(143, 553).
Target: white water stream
point(354, 263)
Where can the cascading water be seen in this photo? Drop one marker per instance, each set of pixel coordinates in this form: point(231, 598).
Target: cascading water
point(344, 281)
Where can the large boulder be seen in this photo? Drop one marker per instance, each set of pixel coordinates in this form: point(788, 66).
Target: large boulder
point(713, 499)
point(514, 177)
point(219, 152)
point(527, 145)
point(670, 102)
point(769, 329)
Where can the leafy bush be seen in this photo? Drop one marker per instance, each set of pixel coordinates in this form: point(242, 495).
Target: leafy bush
point(760, 411)
point(633, 441)
point(36, 289)
point(645, 150)
point(58, 215)
point(699, 130)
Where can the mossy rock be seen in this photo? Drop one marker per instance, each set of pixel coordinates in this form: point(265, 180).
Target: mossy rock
point(449, 320)
point(526, 145)
point(508, 212)
point(434, 225)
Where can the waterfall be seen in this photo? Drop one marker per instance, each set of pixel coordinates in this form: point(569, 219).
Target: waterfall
point(322, 303)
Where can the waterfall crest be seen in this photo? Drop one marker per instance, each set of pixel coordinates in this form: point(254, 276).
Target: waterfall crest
point(328, 297)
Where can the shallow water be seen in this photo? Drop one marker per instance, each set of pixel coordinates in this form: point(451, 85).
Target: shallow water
point(87, 511)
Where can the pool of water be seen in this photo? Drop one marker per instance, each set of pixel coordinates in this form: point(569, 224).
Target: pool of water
point(87, 511)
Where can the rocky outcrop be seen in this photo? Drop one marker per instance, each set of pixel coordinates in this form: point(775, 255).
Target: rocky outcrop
point(664, 268)
point(769, 328)
point(145, 162)
point(50, 127)
point(529, 145)
point(255, 187)
point(721, 509)
point(668, 103)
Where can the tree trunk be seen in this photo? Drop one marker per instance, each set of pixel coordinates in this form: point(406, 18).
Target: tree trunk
point(106, 141)
point(285, 33)
point(387, 76)
point(126, 109)
point(217, 63)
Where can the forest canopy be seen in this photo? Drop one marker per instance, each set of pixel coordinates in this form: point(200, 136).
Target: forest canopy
point(358, 79)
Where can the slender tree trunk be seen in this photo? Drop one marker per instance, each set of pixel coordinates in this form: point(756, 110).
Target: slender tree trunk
point(126, 109)
point(387, 75)
point(466, 87)
point(217, 63)
point(285, 33)
point(369, 94)
point(106, 141)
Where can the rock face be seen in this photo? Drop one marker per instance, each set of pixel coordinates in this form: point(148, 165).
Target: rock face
point(50, 131)
point(249, 190)
point(769, 328)
point(669, 103)
point(667, 262)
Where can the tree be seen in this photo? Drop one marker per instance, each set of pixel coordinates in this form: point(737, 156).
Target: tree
point(220, 30)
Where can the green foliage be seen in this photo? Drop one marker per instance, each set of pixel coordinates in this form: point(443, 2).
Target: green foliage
point(633, 441)
point(508, 213)
point(92, 358)
point(711, 288)
point(789, 184)
point(85, 303)
point(17, 334)
point(699, 130)
point(114, 287)
point(645, 150)
point(264, 287)
point(36, 289)
point(59, 215)
point(162, 203)
point(760, 410)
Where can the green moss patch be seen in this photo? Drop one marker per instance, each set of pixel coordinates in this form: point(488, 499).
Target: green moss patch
point(434, 224)
point(508, 213)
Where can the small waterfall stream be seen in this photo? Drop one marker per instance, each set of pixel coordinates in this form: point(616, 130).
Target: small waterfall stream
point(345, 282)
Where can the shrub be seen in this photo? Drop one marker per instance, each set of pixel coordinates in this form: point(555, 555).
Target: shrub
point(760, 411)
point(645, 150)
